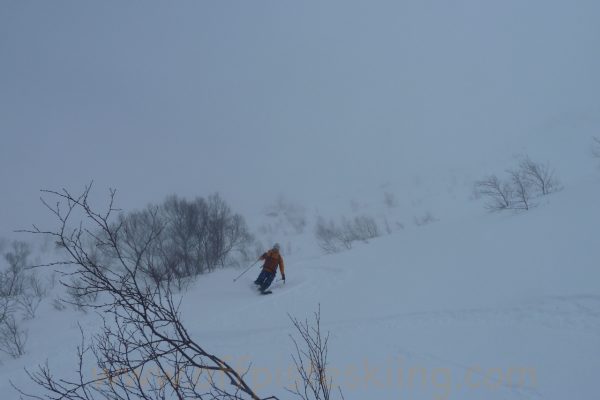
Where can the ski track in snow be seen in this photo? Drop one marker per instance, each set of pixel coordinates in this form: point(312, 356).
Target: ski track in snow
point(581, 312)
point(577, 312)
point(574, 312)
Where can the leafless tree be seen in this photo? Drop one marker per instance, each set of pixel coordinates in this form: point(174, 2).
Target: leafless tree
point(311, 360)
point(539, 176)
point(521, 191)
point(498, 194)
point(227, 232)
point(144, 350)
point(141, 234)
point(526, 182)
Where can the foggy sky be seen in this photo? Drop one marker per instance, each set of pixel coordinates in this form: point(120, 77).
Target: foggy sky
point(258, 98)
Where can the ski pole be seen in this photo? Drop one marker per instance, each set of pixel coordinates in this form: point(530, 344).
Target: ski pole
point(246, 270)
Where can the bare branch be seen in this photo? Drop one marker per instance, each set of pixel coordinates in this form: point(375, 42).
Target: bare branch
point(498, 194)
point(311, 360)
point(144, 350)
point(529, 181)
point(539, 176)
point(521, 188)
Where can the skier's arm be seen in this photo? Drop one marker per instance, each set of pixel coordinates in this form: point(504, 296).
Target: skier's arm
point(282, 268)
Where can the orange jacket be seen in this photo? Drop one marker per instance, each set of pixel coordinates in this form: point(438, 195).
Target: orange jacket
point(272, 260)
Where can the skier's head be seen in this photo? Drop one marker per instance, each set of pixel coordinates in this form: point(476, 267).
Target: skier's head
point(276, 246)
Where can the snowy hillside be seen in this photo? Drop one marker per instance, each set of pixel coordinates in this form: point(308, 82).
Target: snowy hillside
point(495, 306)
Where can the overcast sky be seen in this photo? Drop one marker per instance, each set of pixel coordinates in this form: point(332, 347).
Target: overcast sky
point(258, 98)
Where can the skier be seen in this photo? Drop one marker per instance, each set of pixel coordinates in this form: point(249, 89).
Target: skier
point(269, 269)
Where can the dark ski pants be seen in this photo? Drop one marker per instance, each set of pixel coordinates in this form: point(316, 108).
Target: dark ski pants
point(265, 279)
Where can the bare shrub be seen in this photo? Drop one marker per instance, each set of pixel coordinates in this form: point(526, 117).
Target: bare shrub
point(20, 285)
point(525, 183)
point(143, 330)
point(540, 177)
point(181, 239)
point(12, 337)
point(361, 228)
point(498, 194)
point(29, 305)
point(311, 360)
point(32, 294)
point(333, 237)
point(328, 235)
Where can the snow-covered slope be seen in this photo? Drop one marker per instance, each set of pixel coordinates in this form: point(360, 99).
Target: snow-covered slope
point(495, 306)
point(469, 302)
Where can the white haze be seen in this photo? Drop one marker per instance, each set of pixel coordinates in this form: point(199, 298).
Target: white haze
point(308, 99)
